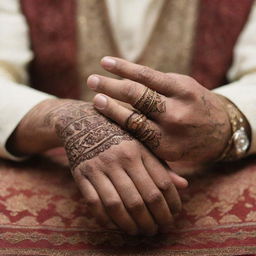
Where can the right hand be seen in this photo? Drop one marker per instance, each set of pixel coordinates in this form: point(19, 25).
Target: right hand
point(121, 181)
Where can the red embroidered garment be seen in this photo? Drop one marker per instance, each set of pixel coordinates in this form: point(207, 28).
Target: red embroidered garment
point(220, 23)
point(53, 40)
point(52, 30)
point(42, 211)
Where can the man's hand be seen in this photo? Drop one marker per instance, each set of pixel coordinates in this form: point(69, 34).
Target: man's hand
point(182, 121)
point(121, 181)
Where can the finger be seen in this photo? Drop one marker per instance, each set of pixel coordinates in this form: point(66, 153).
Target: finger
point(144, 129)
point(163, 181)
point(140, 97)
point(133, 201)
point(151, 195)
point(123, 90)
point(177, 180)
point(156, 80)
point(112, 201)
point(93, 203)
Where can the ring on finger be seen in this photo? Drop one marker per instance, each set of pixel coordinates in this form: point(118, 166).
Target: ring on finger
point(140, 127)
point(150, 102)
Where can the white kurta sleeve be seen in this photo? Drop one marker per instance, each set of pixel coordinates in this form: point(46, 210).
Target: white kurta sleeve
point(242, 89)
point(16, 99)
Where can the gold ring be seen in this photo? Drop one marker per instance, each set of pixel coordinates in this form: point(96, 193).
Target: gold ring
point(142, 128)
point(150, 102)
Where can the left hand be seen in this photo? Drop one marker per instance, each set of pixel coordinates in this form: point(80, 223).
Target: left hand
point(183, 121)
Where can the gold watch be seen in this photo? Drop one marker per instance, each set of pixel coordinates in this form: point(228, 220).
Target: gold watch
point(239, 143)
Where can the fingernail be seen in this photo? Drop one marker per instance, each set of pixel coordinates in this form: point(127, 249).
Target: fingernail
point(100, 101)
point(93, 82)
point(108, 62)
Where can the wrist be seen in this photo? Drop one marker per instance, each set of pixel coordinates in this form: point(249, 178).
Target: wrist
point(240, 138)
point(32, 135)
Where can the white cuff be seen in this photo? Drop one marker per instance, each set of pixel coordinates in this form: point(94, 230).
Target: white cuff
point(15, 102)
point(243, 94)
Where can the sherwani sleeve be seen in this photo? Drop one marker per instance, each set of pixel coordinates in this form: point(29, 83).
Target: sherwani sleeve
point(16, 99)
point(242, 75)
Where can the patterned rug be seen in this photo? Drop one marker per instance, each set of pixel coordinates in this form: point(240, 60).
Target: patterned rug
point(42, 213)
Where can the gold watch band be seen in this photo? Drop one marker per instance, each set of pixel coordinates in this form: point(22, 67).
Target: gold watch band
point(240, 127)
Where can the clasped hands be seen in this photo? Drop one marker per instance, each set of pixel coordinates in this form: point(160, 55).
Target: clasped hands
point(125, 181)
point(173, 115)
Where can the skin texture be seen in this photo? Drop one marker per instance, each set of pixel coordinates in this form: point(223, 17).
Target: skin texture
point(123, 183)
point(191, 121)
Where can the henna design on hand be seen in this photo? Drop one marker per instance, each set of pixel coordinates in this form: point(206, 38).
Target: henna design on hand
point(138, 125)
point(151, 102)
point(84, 132)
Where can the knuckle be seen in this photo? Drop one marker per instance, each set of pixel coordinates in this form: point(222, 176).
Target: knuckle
point(176, 206)
point(145, 74)
point(165, 185)
point(128, 155)
point(188, 93)
point(107, 159)
point(181, 117)
point(154, 197)
point(92, 202)
point(113, 205)
point(136, 205)
point(129, 90)
point(87, 170)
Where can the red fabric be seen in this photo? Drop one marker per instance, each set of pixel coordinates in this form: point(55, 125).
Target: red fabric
point(43, 213)
point(53, 37)
point(219, 25)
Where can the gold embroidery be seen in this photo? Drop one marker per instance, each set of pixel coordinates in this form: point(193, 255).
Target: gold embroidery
point(28, 221)
point(233, 250)
point(55, 238)
point(4, 219)
point(247, 205)
point(46, 184)
point(20, 203)
point(199, 205)
point(90, 224)
point(251, 216)
point(206, 221)
point(221, 237)
point(230, 218)
point(66, 208)
point(54, 221)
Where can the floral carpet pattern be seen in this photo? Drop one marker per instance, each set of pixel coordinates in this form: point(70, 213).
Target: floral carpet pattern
point(43, 213)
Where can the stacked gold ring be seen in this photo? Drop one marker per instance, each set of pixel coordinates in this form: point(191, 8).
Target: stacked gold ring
point(150, 102)
point(140, 127)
